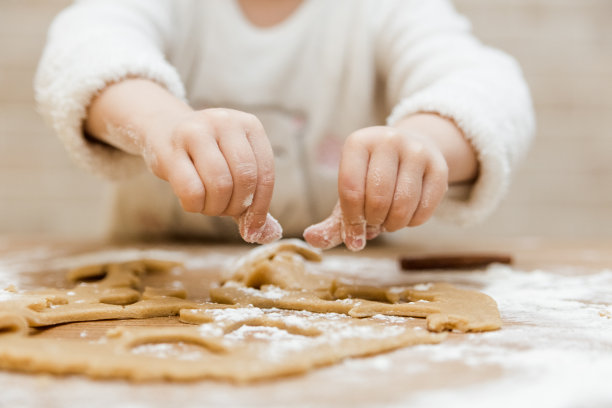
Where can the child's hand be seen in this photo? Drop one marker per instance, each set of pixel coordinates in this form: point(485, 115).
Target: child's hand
point(219, 162)
point(394, 177)
point(389, 178)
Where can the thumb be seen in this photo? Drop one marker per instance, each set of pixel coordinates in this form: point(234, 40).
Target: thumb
point(327, 233)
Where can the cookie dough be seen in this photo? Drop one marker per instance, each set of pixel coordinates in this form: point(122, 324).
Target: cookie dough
point(238, 344)
point(277, 276)
point(112, 291)
point(271, 316)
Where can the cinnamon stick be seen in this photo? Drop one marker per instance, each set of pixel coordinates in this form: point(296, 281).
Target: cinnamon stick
point(462, 261)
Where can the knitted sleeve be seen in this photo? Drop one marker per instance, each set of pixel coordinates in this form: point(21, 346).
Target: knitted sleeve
point(432, 63)
point(94, 43)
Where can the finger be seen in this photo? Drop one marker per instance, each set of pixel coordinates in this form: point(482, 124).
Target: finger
point(186, 183)
point(435, 185)
point(241, 162)
point(213, 171)
point(326, 234)
point(372, 231)
point(351, 189)
point(380, 184)
point(258, 217)
point(406, 196)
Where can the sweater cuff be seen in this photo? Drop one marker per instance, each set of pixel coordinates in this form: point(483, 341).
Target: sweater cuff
point(65, 86)
point(465, 204)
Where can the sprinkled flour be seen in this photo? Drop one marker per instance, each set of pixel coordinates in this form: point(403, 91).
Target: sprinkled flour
point(209, 330)
point(272, 334)
point(6, 295)
point(164, 350)
point(423, 286)
point(569, 361)
point(554, 350)
point(231, 315)
point(268, 292)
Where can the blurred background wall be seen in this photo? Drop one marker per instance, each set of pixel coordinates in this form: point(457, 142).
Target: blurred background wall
point(564, 188)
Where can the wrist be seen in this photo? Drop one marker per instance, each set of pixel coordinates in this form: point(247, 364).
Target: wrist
point(127, 113)
point(158, 122)
point(458, 152)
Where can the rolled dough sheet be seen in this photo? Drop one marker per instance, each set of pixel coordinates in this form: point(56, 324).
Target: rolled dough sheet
point(235, 344)
point(270, 318)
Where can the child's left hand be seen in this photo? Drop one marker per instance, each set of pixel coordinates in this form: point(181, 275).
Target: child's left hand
point(389, 178)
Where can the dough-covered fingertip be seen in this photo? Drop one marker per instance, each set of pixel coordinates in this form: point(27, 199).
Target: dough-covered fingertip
point(354, 235)
point(271, 231)
point(324, 235)
point(311, 236)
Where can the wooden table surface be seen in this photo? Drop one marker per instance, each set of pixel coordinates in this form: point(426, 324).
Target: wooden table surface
point(555, 348)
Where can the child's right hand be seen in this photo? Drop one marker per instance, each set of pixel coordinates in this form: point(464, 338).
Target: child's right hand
point(219, 162)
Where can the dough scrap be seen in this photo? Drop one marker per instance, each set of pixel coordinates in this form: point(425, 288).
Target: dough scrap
point(116, 293)
point(277, 277)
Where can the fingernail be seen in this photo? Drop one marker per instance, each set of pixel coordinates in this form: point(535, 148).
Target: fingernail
point(355, 236)
point(249, 234)
point(357, 244)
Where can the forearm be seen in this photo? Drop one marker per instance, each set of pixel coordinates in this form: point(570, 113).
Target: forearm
point(124, 113)
point(457, 150)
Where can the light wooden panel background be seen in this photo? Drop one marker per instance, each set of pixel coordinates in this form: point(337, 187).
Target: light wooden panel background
point(564, 188)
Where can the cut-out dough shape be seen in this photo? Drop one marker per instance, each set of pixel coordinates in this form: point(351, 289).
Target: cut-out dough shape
point(237, 344)
point(114, 292)
point(277, 276)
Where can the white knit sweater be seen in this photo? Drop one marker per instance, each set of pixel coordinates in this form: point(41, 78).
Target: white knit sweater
point(329, 69)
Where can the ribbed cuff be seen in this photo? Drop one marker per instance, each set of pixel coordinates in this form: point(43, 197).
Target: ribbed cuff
point(65, 86)
point(465, 205)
